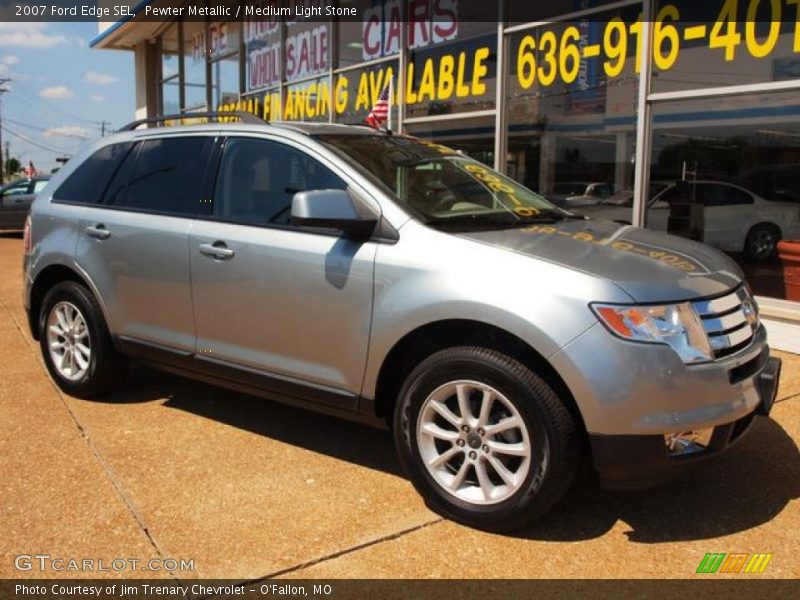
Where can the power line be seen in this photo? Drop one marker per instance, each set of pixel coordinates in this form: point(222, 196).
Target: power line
point(34, 142)
point(21, 124)
point(76, 136)
point(52, 107)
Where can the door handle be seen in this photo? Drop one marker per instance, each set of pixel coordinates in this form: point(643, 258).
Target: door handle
point(98, 232)
point(218, 250)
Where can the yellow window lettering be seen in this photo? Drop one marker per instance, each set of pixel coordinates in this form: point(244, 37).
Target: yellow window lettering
point(288, 110)
point(462, 90)
point(730, 39)
point(569, 55)
point(340, 96)
point(548, 43)
point(479, 71)
point(636, 30)
point(665, 33)
point(757, 48)
point(615, 43)
point(311, 108)
point(411, 96)
point(426, 86)
point(526, 62)
point(447, 82)
point(796, 3)
point(362, 97)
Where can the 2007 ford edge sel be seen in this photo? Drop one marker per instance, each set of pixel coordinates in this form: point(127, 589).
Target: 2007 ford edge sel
point(378, 276)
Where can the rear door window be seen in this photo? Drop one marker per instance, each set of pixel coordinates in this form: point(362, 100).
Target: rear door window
point(162, 176)
point(86, 183)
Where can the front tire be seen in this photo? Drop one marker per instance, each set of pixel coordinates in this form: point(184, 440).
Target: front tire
point(75, 342)
point(486, 441)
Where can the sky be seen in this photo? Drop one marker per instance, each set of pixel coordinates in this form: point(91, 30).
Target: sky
point(60, 90)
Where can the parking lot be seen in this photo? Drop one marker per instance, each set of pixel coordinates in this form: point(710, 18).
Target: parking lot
point(249, 489)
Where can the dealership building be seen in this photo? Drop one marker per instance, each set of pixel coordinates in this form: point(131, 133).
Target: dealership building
point(674, 114)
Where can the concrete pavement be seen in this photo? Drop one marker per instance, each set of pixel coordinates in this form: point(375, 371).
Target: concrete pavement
point(247, 489)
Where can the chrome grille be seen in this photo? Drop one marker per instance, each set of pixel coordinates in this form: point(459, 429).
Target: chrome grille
point(730, 321)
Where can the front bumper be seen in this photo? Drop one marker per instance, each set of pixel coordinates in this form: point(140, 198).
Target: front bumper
point(637, 461)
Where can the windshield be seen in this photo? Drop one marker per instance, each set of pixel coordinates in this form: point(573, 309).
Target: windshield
point(439, 185)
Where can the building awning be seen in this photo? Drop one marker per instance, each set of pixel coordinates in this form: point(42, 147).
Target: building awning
point(128, 31)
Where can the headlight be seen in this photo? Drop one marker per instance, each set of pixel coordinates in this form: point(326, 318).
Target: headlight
point(676, 325)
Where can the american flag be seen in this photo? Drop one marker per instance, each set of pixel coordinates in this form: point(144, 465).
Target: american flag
point(30, 170)
point(380, 112)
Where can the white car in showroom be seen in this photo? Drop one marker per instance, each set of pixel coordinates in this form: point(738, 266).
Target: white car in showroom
point(733, 219)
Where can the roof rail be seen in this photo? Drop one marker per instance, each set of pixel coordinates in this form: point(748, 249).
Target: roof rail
point(244, 117)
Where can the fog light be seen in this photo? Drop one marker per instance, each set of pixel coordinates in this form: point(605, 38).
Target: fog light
point(687, 442)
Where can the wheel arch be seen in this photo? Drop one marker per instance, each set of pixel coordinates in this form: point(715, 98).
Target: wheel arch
point(426, 339)
point(763, 223)
point(45, 280)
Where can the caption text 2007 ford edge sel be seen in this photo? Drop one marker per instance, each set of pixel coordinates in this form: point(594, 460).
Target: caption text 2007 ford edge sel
point(384, 277)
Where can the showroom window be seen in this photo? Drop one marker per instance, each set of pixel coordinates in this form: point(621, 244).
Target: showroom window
point(170, 51)
point(736, 158)
point(356, 91)
point(571, 91)
point(263, 56)
point(223, 54)
point(194, 66)
point(723, 43)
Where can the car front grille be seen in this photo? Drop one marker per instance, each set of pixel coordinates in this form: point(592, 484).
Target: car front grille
point(730, 321)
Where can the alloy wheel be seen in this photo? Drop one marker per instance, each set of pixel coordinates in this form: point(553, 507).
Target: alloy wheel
point(68, 341)
point(474, 442)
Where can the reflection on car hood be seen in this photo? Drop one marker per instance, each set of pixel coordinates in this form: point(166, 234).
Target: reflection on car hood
point(648, 265)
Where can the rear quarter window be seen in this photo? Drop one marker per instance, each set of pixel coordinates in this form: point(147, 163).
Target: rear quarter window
point(86, 183)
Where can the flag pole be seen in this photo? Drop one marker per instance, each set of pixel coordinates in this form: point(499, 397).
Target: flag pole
point(391, 102)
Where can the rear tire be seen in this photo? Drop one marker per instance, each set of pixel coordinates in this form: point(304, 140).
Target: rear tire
point(75, 342)
point(762, 241)
point(485, 441)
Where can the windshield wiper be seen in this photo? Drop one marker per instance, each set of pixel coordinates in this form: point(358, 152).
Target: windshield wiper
point(503, 219)
point(551, 216)
point(476, 219)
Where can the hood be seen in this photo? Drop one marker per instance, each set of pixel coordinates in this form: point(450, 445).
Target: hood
point(649, 265)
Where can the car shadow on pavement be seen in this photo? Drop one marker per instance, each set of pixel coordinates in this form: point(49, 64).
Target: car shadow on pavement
point(339, 438)
point(746, 487)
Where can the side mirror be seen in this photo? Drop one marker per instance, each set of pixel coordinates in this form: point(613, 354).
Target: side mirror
point(333, 209)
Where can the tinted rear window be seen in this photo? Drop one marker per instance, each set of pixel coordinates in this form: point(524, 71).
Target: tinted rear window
point(164, 175)
point(86, 183)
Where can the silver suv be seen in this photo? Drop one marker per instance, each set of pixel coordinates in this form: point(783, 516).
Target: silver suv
point(394, 280)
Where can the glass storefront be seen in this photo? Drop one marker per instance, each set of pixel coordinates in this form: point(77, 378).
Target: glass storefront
point(699, 137)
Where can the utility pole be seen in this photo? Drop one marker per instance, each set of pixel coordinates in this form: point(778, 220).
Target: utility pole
point(2, 161)
point(103, 128)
